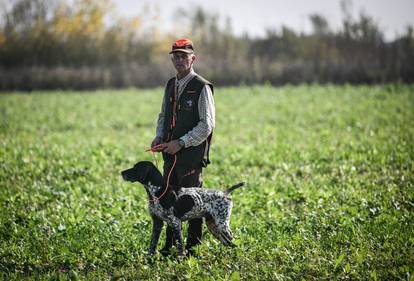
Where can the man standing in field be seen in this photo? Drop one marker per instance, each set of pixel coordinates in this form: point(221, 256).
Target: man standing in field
point(185, 125)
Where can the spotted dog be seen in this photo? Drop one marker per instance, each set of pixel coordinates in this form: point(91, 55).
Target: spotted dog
point(181, 204)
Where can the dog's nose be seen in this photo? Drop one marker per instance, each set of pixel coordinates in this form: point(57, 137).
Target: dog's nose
point(124, 176)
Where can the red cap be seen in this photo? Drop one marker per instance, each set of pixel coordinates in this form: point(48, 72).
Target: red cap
point(182, 45)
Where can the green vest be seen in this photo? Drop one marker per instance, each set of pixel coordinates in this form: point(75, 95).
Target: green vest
point(187, 117)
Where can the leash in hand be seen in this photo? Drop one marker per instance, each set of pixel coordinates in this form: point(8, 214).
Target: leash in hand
point(157, 148)
point(160, 148)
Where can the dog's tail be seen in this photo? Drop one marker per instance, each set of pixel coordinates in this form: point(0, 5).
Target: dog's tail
point(233, 187)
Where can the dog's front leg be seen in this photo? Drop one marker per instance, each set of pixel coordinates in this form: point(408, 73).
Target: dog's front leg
point(177, 227)
point(156, 231)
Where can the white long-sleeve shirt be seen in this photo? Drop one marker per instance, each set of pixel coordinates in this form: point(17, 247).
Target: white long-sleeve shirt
point(206, 111)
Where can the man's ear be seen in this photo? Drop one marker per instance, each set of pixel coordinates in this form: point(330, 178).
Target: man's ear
point(193, 58)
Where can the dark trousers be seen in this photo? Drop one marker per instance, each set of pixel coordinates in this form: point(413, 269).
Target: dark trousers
point(185, 177)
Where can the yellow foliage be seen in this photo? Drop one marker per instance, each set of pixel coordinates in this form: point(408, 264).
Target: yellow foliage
point(85, 18)
point(163, 46)
point(136, 22)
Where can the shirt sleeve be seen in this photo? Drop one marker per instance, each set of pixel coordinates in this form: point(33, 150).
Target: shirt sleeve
point(206, 111)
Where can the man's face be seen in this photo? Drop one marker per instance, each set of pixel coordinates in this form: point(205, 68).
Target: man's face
point(182, 61)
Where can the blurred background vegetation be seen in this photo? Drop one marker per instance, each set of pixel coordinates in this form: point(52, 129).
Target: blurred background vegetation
point(86, 44)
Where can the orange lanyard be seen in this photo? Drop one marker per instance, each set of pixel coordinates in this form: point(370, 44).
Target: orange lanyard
point(174, 107)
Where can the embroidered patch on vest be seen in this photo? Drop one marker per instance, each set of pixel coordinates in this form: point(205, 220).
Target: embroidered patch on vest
point(189, 103)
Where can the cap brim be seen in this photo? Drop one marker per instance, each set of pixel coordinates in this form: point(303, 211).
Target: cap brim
point(182, 51)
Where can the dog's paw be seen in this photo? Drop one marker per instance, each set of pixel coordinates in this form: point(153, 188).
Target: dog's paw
point(180, 257)
point(166, 251)
point(191, 252)
point(182, 254)
point(149, 254)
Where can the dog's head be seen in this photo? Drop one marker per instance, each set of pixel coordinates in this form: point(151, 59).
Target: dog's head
point(148, 175)
point(143, 172)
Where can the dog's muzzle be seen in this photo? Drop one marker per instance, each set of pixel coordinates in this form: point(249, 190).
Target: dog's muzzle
point(125, 175)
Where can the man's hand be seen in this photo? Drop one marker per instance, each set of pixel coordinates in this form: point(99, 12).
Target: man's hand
point(156, 141)
point(172, 147)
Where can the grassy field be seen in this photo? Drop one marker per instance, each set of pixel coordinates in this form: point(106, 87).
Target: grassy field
point(329, 195)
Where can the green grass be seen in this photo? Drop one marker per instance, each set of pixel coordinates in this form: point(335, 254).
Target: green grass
point(329, 193)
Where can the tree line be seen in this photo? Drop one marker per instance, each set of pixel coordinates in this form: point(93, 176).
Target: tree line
point(85, 44)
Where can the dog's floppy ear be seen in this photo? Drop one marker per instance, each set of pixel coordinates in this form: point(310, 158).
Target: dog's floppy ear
point(143, 171)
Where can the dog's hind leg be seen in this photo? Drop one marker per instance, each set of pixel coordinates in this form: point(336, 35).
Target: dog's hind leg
point(225, 229)
point(214, 229)
point(156, 231)
point(222, 221)
point(226, 233)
